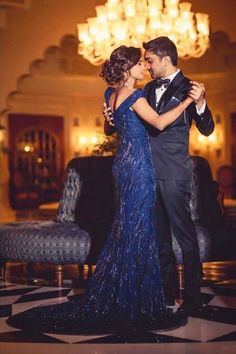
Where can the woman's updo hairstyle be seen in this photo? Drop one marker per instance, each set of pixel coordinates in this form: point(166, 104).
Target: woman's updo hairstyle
point(121, 61)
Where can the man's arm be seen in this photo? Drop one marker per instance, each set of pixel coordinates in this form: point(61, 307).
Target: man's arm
point(108, 128)
point(205, 122)
point(200, 111)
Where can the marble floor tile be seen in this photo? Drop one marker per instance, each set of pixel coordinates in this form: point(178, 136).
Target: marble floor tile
point(201, 330)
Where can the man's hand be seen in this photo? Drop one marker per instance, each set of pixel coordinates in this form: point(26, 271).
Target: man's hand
point(108, 115)
point(109, 126)
point(197, 93)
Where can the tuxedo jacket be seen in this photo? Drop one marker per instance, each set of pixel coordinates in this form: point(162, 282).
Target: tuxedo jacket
point(170, 147)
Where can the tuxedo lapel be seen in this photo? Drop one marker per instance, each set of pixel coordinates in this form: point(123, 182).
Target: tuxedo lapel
point(151, 95)
point(171, 91)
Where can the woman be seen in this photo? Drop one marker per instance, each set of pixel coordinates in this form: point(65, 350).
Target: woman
point(125, 291)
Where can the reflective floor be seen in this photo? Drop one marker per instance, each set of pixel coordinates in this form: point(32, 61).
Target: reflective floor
point(214, 331)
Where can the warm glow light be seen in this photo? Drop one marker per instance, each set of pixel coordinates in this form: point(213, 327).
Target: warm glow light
point(1, 134)
point(94, 140)
point(213, 139)
point(27, 148)
point(201, 138)
point(83, 140)
point(88, 140)
point(129, 8)
point(101, 13)
point(2, 145)
point(133, 22)
point(85, 143)
point(39, 160)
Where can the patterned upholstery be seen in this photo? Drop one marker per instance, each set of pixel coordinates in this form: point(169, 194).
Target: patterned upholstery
point(204, 242)
point(58, 242)
point(70, 195)
point(44, 241)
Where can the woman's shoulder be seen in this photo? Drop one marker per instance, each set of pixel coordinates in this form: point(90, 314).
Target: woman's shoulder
point(139, 92)
point(136, 94)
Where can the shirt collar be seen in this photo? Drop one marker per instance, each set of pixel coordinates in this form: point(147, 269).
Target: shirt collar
point(173, 75)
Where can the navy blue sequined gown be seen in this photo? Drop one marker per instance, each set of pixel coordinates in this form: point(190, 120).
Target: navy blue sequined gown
point(125, 289)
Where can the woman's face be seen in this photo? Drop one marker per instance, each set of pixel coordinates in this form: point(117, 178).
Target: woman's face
point(137, 70)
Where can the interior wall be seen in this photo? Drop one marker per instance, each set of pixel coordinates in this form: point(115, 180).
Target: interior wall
point(41, 73)
point(29, 31)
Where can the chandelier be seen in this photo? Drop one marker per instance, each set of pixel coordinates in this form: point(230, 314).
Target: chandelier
point(132, 22)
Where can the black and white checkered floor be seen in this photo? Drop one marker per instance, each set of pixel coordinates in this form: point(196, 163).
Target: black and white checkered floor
point(215, 330)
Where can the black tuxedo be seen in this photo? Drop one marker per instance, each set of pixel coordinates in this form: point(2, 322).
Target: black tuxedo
point(170, 151)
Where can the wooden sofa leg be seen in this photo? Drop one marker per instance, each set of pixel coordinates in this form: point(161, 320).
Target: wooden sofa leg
point(180, 272)
point(59, 274)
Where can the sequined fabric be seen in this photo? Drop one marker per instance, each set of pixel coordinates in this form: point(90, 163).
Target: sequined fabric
point(125, 291)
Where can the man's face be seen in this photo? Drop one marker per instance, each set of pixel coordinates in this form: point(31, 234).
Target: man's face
point(154, 64)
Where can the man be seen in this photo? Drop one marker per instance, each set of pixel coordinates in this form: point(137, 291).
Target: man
point(170, 151)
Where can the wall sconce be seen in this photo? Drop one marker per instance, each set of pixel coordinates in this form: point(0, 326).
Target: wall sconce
point(211, 147)
point(83, 140)
point(212, 142)
point(85, 144)
point(88, 140)
point(3, 147)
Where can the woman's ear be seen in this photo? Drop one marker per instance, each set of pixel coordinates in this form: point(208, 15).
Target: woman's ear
point(126, 76)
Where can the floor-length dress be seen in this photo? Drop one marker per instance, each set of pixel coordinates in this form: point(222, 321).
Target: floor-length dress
point(125, 290)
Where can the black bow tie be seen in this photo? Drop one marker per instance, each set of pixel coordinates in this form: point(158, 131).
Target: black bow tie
point(164, 82)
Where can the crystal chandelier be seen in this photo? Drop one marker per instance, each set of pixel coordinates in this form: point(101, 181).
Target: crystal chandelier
point(132, 22)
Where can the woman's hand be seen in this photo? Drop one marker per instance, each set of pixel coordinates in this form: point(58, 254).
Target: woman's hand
point(187, 102)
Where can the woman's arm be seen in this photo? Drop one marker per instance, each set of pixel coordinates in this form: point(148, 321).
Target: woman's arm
point(159, 121)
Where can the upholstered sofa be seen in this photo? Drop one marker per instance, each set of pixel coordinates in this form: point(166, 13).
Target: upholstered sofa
point(87, 204)
point(57, 242)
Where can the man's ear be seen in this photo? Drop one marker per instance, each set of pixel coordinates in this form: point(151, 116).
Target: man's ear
point(166, 60)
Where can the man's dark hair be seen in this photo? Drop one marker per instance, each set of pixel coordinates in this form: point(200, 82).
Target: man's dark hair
point(162, 46)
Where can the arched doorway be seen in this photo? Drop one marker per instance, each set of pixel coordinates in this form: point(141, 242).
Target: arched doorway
point(36, 159)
